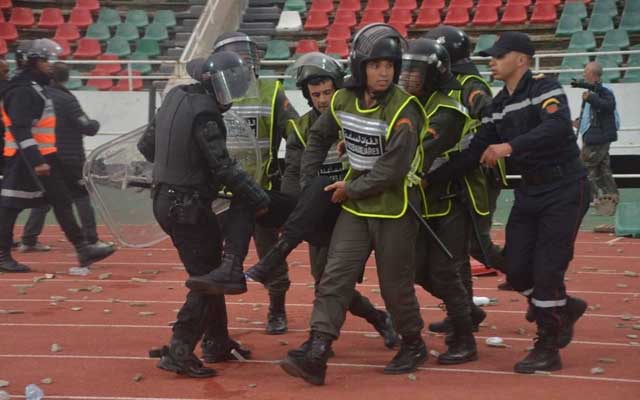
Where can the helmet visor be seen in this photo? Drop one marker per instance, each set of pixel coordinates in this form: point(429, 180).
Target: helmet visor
point(413, 75)
point(233, 84)
point(46, 49)
point(245, 49)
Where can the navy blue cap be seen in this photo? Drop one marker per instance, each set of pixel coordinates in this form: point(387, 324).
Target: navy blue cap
point(510, 41)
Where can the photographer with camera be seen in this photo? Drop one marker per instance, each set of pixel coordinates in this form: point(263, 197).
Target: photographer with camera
point(598, 124)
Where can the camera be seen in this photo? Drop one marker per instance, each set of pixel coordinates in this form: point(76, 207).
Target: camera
point(584, 85)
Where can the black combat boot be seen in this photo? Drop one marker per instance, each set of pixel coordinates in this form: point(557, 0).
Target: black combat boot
point(178, 357)
point(8, 264)
point(506, 286)
point(413, 353)
point(91, 253)
point(571, 313)
point(226, 279)
point(461, 344)
point(277, 317)
point(270, 266)
point(477, 316)
point(384, 325)
point(544, 356)
point(310, 362)
point(215, 350)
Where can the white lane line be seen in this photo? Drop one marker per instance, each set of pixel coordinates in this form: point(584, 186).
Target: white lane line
point(241, 329)
point(342, 365)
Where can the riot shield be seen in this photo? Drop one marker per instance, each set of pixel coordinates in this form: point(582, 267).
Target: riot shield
point(119, 180)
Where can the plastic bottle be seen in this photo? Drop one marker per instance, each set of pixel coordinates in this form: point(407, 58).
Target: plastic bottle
point(33, 392)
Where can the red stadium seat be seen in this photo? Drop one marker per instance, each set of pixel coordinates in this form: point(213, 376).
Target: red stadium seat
point(554, 2)
point(66, 48)
point(4, 4)
point(337, 47)
point(400, 27)
point(461, 3)
point(8, 32)
point(123, 83)
point(67, 32)
point(91, 5)
point(457, 16)
point(371, 17)
point(544, 13)
point(107, 69)
point(405, 4)
point(2, 17)
point(350, 5)
point(80, 18)
point(22, 17)
point(50, 18)
point(339, 32)
point(485, 16)
point(514, 15)
point(316, 20)
point(495, 3)
point(345, 17)
point(87, 49)
point(428, 18)
point(439, 4)
point(401, 16)
point(325, 6)
point(381, 5)
point(100, 84)
point(519, 2)
point(3, 48)
point(306, 46)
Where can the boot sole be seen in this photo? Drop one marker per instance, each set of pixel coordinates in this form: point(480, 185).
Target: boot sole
point(555, 367)
point(473, 357)
point(292, 369)
point(182, 372)
point(407, 370)
point(253, 278)
point(214, 289)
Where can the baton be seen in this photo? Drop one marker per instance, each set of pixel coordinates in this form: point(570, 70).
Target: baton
point(431, 232)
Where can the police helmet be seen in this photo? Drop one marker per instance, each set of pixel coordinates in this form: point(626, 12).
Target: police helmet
point(375, 42)
point(426, 65)
point(455, 40)
point(317, 65)
point(38, 49)
point(230, 76)
point(239, 43)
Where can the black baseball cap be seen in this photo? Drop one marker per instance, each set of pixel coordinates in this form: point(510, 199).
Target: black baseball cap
point(510, 41)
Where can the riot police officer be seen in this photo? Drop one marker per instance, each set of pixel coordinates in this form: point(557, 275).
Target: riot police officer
point(32, 174)
point(382, 127)
point(426, 73)
point(187, 144)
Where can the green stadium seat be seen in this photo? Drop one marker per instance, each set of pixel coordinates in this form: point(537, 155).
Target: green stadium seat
point(634, 59)
point(568, 25)
point(138, 18)
point(267, 72)
point(277, 50)
point(574, 62)
point(565, 78)
point(632, 76)
point(583, 41)
point(119, 46)
point(575, 8)
point(74, 83)
point(605, 7)
point(98, 31)
point(156, 32)
point(143, 68)
point(627, 218)
point(600, 23)
point(484, 42)
point(630, 22)
point(609, 76)
point(149, 47)
point(618, 38)
point(165, 17)
point(109, 17)
point(632, 6)
point(127, 31)
point(609, 58)
point(295, 5)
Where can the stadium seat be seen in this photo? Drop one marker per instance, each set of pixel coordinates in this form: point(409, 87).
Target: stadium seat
point(514, 14)
point(66, 48)
point(630, 22)
point(3, 48)
point(554, 2)
point(485, 15)
point(127, 31)
point(99, 32)
point(338, 48)
point(99, 84)
point(50, 18)
point(107, 69)
point(617, 38)
point(370, 17)
point(461, 3)
point(544, 14)
point(345, 17)
point(295, 5)
point(574, 8)
point(119, 46)
point(600, 23)
point(574, 62)
point(137, 18)
point(142, 68)
point(614, 58)
point(609, 76)
point(632, 76)
point(494, 3)
point(67, 32)
point(306, 46)
point(400, 27)
point(401, 16)
point(165, 17)
point(80, 18)
point(87, 49)
point(525, 3)
point(8, 32)
point(428, 18)
point(339, 32)
point(22, 17)
point(632, 6)
point(289, 21)
point(568, 25)
point(74, 83)
point(5, 4)
point(565, 78)
point(277, 50)
point(350, 5)
point(634, 59)
point(457, 16)
point(405, 4)
point(316, 20)
point(605, 8)
point(583, 40)
point(325, 6)
point(157, 32)
point(149, 47)
point(439, 4)
point(91, 5)
point(109, 17)
point(484, 42)
point(380, 5)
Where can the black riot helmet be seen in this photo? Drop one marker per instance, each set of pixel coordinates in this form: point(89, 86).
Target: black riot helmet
point(426, 65)
point(316, 65)
point(375, 42)
point(241, 44)
point(231, 78)
point(38, 49)
point(455, 40)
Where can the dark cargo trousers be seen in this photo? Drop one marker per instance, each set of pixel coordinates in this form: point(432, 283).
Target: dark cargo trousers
point(353, 240)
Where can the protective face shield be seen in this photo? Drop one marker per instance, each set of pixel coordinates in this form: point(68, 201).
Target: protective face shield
point(231, 78)
point(315, 64)
point(413, 74)
point(427, 60)
point(242, 45)
point(38, 49)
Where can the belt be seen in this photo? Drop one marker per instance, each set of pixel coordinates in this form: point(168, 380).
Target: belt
point(553, 173)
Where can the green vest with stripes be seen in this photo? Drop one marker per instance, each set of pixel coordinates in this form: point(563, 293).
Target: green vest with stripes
point(366, 132)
